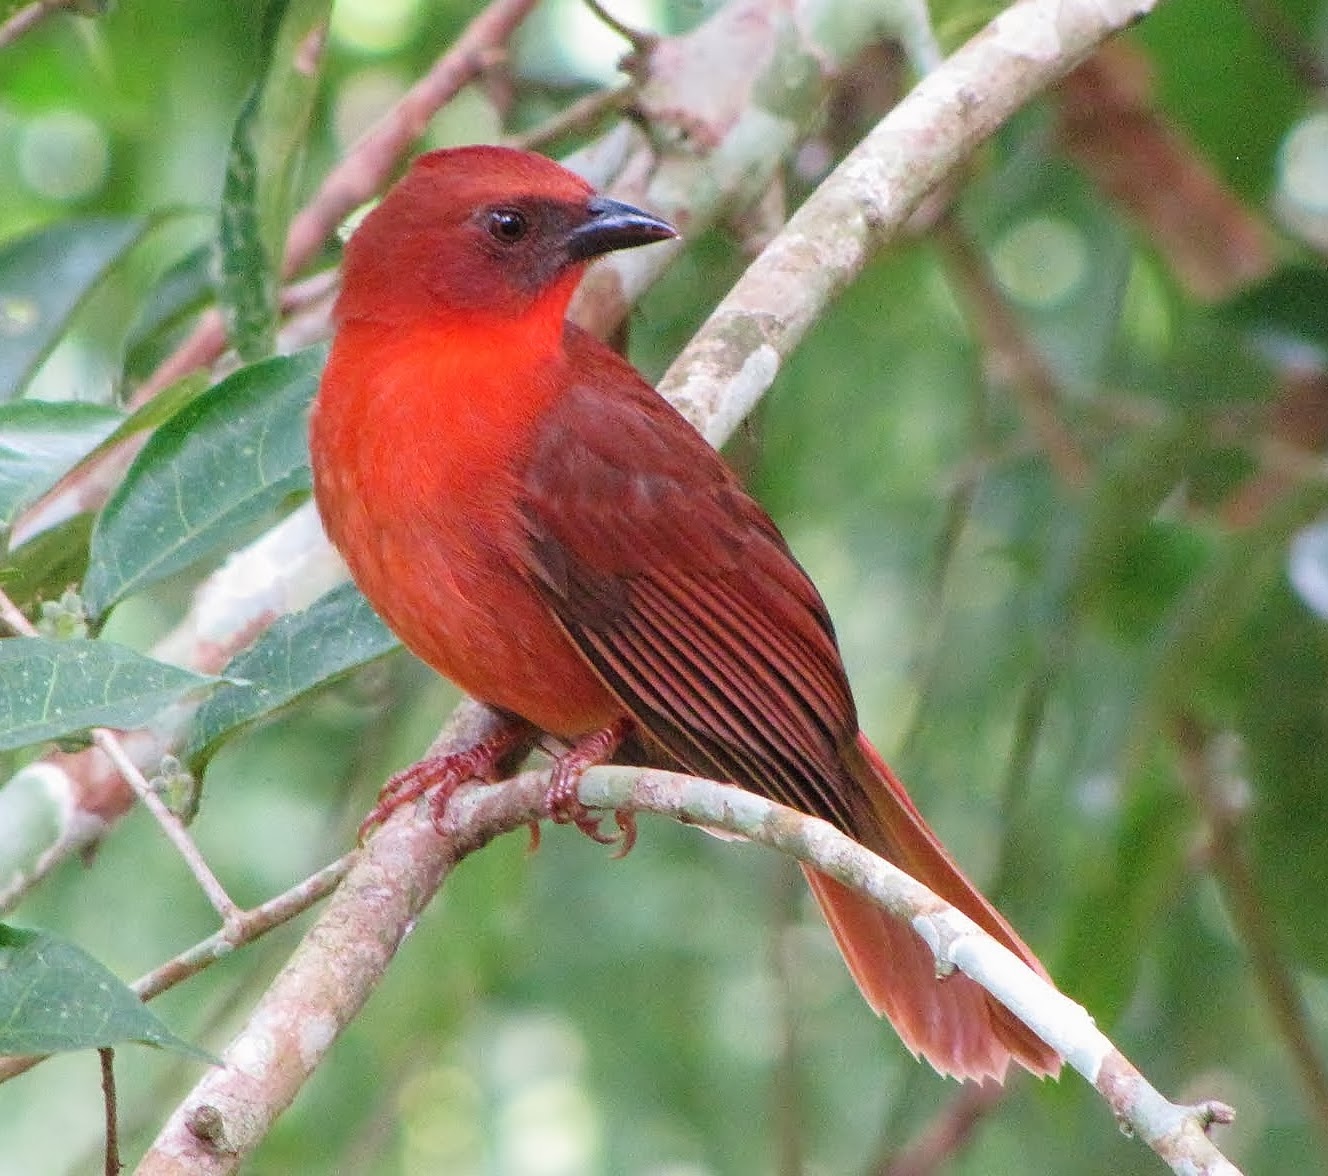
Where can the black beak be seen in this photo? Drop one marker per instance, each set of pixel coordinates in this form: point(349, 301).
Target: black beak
point(611, 225)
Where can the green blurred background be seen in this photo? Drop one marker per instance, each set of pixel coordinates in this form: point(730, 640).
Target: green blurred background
point(1041, 662)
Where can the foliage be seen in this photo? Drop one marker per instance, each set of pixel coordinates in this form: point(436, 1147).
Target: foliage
point(1102, 692)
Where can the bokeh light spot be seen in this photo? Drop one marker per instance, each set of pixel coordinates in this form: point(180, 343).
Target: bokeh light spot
point(18, 315)
point(1308, 566)
point(1041, 261)
point(63, 155)
point(1301, 194)
point(1303, 166)
point(374, 26)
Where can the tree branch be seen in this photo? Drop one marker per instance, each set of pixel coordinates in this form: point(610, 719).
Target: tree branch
point(1219, 801)
point(1012, 353)
point(337, 965)
point(945, 1134)
point(28, 18)
point(866, 200)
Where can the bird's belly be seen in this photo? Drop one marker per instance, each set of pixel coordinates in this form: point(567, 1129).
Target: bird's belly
point(468, 612)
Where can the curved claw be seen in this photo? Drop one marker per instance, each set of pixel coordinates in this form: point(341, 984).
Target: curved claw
point(626, 838)
point(564, 805)
point(442, 775)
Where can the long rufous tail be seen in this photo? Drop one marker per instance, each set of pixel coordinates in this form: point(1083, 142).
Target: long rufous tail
point(953, 1022)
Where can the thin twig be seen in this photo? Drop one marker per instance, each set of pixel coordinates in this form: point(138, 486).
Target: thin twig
point(1223, 811)
point(640, 40)
point(579, 116)
point(945, 1136)
point(247, 927)
point(1280, 34)
point(171, 825)
point(113, 1165)
point(786, 1102)
point(27, 19)
point(1014, 356)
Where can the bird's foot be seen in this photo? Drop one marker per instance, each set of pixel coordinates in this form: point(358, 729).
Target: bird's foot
point(565, 806)
point(443, 775)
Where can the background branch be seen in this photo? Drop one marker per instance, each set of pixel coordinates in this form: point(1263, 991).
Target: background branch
point(28, 18)
point(364, 171)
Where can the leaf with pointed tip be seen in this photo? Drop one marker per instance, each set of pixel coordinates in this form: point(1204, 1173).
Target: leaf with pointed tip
point(338, 633)
point(44, 278)
point(50, 688)
point(206, 476)
point(55, 997)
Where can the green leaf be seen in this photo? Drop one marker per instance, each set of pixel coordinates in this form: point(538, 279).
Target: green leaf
point(55, 997)
point(337, 633)
point(148, 416)
point(40, 441)
point(49, 688)
point(1290, 308)
point(152, 414)
point(44, 278)
point(49, 562)
point(266, 153)
point(207, 475)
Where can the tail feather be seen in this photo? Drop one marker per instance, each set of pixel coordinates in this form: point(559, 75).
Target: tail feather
point(954, 1023)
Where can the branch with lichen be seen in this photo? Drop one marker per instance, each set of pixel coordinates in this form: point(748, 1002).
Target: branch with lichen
point(731, 362)
point(337, 966)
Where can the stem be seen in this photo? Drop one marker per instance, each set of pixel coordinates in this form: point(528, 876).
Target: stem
point(946, 1135)
point(113, 1165)
point(171, 825)
point(1011, 353)
point(27, 19)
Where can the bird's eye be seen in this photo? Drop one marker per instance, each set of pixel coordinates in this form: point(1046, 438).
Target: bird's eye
point(506, 225)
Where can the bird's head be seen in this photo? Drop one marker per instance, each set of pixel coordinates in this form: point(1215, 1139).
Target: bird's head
point(483, 230)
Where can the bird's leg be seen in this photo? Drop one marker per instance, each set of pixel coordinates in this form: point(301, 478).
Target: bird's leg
point(564, 805)
point(444, 774)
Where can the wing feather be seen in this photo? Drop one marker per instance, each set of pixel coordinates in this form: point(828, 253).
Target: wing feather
point(679, 591)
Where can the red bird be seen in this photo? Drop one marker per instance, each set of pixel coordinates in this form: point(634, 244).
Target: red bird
point(538, 524)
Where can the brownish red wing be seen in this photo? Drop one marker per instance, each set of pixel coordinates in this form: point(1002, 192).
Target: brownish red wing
point(677, 588)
